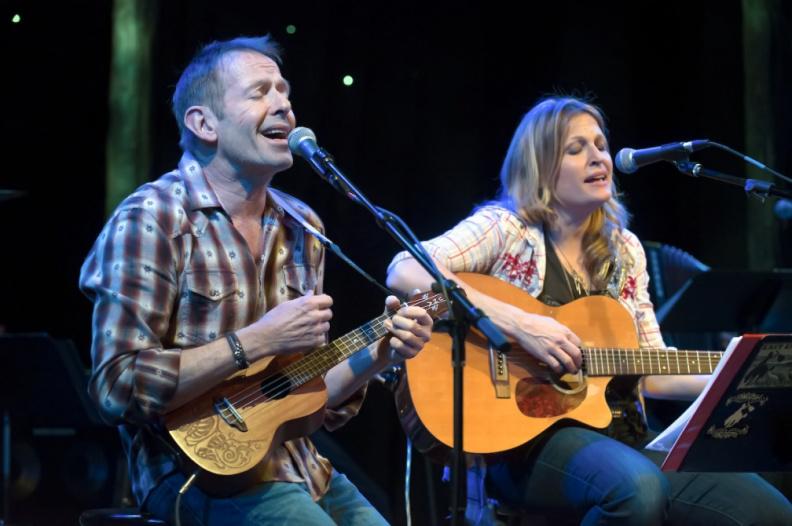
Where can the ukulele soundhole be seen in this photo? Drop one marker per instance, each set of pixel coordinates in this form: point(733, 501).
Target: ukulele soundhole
point(551, 395)
point(276, 386)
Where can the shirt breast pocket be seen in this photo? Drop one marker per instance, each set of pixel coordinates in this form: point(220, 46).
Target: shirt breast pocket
point(206, 294)
point(299, 279)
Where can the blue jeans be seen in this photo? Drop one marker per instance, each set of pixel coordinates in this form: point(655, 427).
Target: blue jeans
point(588, 478)
point(272, 503)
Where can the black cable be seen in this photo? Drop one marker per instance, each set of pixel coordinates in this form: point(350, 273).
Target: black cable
point(182, 491)
point(751, 160)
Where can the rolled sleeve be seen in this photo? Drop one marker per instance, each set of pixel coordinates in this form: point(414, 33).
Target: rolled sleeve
point(129, 276)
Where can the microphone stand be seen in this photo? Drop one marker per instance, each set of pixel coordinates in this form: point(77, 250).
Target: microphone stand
point(462, 314)
point(755, 187)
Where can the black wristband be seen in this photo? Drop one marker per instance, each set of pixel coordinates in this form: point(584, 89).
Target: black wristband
point(237, 351)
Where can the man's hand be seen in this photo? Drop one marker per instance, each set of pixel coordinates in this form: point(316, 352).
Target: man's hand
point(410, 328)
point(293, 326)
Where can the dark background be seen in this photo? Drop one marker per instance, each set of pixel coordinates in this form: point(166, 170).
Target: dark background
point(438, 91)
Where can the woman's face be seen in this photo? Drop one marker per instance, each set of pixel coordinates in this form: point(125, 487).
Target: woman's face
point(585, 178)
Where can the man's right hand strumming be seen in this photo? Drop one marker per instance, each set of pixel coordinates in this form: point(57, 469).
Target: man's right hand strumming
point(293, 326)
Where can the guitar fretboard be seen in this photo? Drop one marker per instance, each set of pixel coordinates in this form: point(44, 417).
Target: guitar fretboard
point(324, 358)
point(610, 362)
point(328, 356)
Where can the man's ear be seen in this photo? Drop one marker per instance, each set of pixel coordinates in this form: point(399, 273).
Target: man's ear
point(202, 121)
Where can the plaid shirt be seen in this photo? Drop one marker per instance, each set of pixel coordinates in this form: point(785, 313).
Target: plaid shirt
point(170, 272)
point(498, 242)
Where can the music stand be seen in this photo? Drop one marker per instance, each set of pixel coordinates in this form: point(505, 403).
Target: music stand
point(744, 419)
point(730, 300)
point(43, 384)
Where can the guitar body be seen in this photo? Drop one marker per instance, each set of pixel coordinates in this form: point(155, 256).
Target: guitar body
point(221, 448)
point(537, 398)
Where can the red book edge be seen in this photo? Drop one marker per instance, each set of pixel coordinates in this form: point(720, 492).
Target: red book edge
point(713, 397)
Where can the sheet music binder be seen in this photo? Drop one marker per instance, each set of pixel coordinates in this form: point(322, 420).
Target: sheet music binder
point(744, 421)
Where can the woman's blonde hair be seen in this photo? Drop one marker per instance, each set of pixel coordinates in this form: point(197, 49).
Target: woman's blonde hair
point(530, 172)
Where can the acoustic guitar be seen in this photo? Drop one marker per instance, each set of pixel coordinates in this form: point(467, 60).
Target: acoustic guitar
point(511, 398)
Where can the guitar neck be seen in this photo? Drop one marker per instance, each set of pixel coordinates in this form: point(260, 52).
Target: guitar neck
point(611, 362)
point(324, 358)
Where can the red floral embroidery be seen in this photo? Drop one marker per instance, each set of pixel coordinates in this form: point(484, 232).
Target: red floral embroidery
point(517, 270)
point(629, 289)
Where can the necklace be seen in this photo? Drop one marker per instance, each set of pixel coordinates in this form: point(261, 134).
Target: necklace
point(580, 286)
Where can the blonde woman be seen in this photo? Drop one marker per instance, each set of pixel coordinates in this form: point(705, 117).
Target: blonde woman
point(558, 231)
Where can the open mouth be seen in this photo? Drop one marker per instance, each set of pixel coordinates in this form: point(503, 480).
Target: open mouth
point(276, 133)
point(596, 178)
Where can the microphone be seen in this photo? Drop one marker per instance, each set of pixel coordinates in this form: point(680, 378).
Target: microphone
point(629, 160)
point(302, 142)
point(783, 209)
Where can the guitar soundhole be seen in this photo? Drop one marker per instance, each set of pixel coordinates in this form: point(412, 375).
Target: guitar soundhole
point(543, 397)
point(276, 387)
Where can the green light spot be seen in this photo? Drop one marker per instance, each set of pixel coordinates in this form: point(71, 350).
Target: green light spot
point(291, 29)
point(348, 80)
point(16, 19)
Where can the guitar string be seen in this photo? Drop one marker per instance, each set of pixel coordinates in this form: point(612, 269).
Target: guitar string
point(243, 397)
point(286, 385)
point(252, 394)
point(710, 354)
point(270, 397)
point(341, 343)
point(654, 364)
point(343, 347)
point(654, 359)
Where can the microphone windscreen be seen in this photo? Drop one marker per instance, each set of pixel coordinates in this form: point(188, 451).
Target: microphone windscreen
point(624, 161)
point(297, 136)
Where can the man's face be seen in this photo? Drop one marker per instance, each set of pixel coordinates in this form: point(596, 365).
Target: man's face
point(256, 115)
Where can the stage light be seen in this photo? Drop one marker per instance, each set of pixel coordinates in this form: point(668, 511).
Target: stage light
point(291, 29)
point(348, 80)
point(16, 19)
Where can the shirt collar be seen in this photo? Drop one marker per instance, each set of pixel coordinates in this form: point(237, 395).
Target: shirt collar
point(199, 193)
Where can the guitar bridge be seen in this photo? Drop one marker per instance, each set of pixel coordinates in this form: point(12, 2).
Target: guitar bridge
point(499, 373)
point(229, 414)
